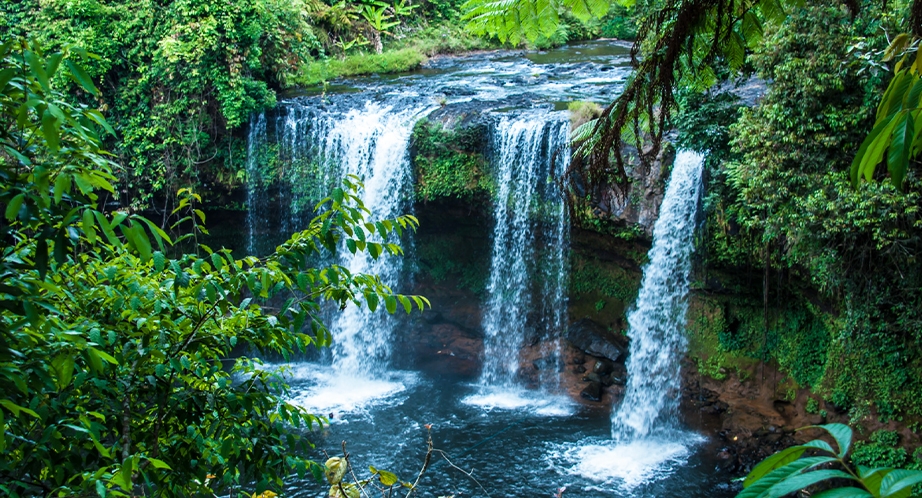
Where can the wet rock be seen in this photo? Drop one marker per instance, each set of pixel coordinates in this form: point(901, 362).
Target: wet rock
point(578, 359)
point(592, 392)
point(545, 363)
point(593, 377)
point(579, 369)
point(607, 381)
point(603, 367)
point(458, 91)
point(592, 338)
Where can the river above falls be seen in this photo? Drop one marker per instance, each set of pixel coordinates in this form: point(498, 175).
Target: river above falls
point(592, 71)
point(506, 435)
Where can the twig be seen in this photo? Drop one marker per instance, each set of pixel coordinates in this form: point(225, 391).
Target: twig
point(470, 475)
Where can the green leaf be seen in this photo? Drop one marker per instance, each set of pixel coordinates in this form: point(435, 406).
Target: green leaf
point(38, 69)
point(64, 370)
point(773, 462)
point(12, 209)
point(844, 493)
point(760, 487)
point(841, 433)
point(390, 303)
point(875, 151)
point(407, 306)
point(801, 481)
point(158, 464)
point(62, 186)
point(387, 478)
point(899, 480)
point(900, 147)
point(80, 76)
point(16, 409)
point(88, 226)
point(819, 443)
point(50, 130)
point(104, 356)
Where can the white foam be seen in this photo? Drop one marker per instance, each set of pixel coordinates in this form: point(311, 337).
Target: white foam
point(536, 402)
point(625, 465)
point(322, 390)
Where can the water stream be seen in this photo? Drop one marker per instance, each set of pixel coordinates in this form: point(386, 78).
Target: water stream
point(657, 322)
point(518, 438)
point(525, 200)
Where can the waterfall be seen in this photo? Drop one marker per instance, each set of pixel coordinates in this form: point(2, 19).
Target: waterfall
point(373, 145)
point(657, 322)
point(256, 192)
point(315, 146)
point(529, 240)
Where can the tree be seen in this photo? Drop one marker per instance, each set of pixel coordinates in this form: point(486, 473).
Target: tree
point(118, 365)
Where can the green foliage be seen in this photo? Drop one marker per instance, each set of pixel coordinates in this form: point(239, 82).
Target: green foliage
point(704, 122)
point(789, 471)
point(180, 78)
point(582, 112)
point(779, 197)
point(450, 163)
point(880, 451)
point(117, 363)
point(620, 23)
point(177, 78)
point(446, 38)
point(531, 20)
point(359, 64)
point(896, 130)
point(569, 29)
point(588, 276)
point(813, 406)
point(451, 257)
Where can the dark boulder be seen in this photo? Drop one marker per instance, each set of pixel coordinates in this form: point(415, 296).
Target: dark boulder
point(603, 367)
point(592, 338)
point(547, 363)
point(592, 392)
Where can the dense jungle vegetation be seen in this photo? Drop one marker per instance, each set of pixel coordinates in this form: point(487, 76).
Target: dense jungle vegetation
point(114, 337)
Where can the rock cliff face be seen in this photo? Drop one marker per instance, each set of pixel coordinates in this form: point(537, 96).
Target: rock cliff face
point(636, 208)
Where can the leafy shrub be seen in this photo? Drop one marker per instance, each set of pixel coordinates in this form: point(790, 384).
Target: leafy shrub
point(450, 163)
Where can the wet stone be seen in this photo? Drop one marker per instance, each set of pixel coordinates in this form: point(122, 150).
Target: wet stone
point(592, 392)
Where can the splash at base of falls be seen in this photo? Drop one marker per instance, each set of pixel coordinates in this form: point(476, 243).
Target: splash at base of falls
point(516, 399)
point(324, 390)
point(626, 466)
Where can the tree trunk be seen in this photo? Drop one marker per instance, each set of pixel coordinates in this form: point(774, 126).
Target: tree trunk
point(376, 40)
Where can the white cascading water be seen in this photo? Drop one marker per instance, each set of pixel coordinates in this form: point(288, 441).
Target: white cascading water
point(646, 442)
point(529, 212)
point(318, 146)
point(656, 325)
point(256, 193)
point(372, 144)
